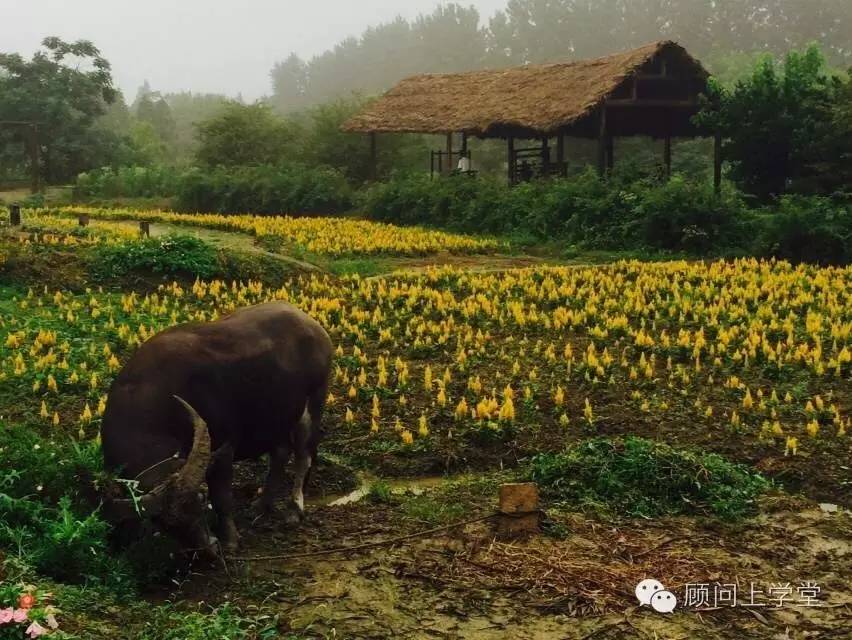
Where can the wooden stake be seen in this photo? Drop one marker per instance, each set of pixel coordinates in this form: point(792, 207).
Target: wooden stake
point(450, 153)
point(15, 215)
point(145, 229)
point(519, 509)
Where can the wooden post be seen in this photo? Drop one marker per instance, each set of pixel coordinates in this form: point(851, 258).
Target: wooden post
point(450, 153)
point(545, 156)
point(464, 143)
point(602, 141)
point(34, 160)
point(145, 229)
point(374, 157)
point(83, 220)
point(717, 163)
point(667, 155)
point(560, 152)
point(512, 160)
point(15, 215)
point(610, 153)
point(519, 509)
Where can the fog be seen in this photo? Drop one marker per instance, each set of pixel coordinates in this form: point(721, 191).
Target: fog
point(201, 45)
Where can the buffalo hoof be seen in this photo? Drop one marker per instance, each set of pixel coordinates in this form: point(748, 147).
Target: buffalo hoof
point(293, 517)
point(263, 507)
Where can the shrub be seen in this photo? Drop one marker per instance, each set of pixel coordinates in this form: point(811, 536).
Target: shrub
point(809, 229)
point(639, 477)
point(265, 190)
point(171, 255)
point(48, 516)
point(290, 188)
point(676, 215)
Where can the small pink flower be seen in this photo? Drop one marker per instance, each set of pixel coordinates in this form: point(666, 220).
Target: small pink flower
point(6, 615)
point(19, 615)
point(35, 630)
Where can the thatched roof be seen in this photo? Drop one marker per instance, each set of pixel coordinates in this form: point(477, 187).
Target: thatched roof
point(535, 98)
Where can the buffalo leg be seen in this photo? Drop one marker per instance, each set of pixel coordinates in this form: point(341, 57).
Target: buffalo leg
point(220, 475)
point(274, 479)
point(300, 479)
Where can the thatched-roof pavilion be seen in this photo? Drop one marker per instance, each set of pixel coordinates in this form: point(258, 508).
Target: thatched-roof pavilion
point(652, 90)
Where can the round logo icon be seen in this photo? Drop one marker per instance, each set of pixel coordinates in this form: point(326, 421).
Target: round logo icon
point(646, 589)
point(663, 601)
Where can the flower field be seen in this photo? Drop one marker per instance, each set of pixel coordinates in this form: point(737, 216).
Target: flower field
point(323, 236)
point(449, 368)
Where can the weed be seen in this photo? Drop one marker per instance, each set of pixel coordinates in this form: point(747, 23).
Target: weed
point(639, 477)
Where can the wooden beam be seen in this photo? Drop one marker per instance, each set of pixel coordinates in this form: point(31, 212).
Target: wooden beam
point(667, 155)
point(464, 143)
point(450, 153)
point(717, 162)
point(560, 150)
point(602, 141)
point(510, 144)
point(374, 156)
point(644, 102)
point(545, 155)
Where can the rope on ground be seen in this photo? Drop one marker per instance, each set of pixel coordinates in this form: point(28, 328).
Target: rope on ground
point(365, 545)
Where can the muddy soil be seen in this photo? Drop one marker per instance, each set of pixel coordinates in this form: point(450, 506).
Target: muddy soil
point(575, 583)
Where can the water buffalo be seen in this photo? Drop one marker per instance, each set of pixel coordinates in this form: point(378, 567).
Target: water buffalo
point(196, 397)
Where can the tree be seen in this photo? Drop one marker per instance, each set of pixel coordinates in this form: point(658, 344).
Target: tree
point(289, 83)
point(326, 144)
point(65, 87)
point(245, 135)
point(775, 123)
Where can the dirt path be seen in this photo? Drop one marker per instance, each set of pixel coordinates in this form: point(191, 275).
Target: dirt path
point(229, 240)
point(462, 583)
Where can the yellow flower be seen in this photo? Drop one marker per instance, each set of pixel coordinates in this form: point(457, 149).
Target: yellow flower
point(407, 437)
point(422, 426)
point(374, 426)
point(44, 413)
point(587, 411)
point(812, 428)
point(559, 397)
point(461, 409)
point(350, 417)
point(55, 419)
point(791, 446)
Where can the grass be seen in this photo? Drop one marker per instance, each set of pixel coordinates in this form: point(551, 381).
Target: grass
point(641, 478)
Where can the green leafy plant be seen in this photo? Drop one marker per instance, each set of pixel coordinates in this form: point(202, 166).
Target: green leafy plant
point(170, 255)
point(639, 477)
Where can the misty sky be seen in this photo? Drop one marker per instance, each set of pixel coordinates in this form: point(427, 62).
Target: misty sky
point(201, 45)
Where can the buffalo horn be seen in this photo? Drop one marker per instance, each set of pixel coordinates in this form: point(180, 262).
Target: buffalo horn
point(192, 473)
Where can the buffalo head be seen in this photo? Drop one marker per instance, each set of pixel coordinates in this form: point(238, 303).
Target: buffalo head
point(176, 502)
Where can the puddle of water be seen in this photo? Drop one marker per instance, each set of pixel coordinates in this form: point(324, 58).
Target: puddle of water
point(397, 486)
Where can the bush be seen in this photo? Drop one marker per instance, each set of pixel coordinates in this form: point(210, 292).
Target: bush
point(48, 516)
point(170, 255)
point(676, 215)
point(265, 190)
point(639, 477)
point(128, 182)
point(809, 229)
